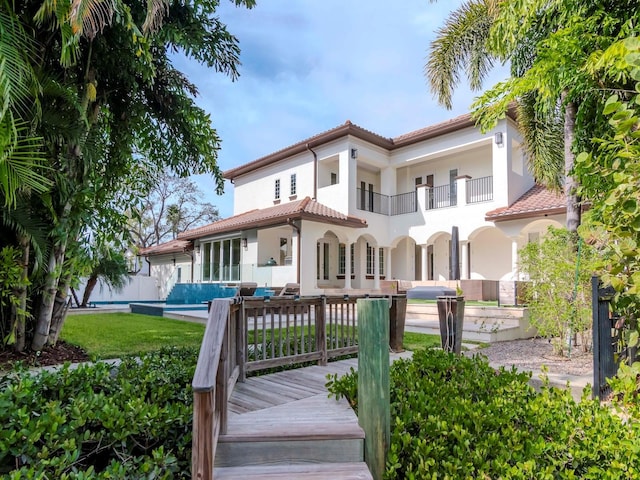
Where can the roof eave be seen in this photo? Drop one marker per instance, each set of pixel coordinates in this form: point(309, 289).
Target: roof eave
point(300, 147)
point(529, 214)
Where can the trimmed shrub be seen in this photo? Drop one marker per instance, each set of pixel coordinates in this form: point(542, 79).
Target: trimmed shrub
point(96, 421)
point(458, 418)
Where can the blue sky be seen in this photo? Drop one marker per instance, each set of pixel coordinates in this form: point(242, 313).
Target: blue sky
point(309, 65)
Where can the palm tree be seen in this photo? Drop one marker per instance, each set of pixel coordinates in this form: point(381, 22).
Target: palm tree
point(21, 157)
point(467, 42)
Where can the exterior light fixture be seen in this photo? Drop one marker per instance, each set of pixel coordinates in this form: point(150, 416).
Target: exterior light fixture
point(498, 138)
point(244, 243)
point(354, 153)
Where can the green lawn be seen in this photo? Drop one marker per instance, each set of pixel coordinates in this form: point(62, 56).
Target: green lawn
point(112, 335)
point(417, 341)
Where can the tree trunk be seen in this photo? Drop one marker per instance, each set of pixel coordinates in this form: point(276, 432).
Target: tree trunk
point(60, 307)
point(49, 293)
point(21, 311)
point(88, 290)
point(570, 182)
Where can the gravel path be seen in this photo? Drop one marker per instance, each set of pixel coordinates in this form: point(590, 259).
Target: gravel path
point(532, 354)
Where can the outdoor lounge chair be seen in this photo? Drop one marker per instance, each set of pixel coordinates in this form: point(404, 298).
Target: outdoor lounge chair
point(290, 289)
point(246, 289)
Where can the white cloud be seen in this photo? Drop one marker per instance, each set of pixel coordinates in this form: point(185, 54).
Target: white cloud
point(310, 65)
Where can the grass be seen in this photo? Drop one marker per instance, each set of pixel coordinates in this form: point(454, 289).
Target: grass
point(114, 335)
point(418, 341)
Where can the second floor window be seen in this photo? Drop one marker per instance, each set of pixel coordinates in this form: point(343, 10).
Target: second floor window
point(276, 193)
point(293, 184)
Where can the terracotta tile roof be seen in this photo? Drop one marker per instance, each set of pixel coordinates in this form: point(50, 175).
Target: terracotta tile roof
point(536, 202)
point(340, 131)
point(172, 246)
point(348, 128)
point(305, 209)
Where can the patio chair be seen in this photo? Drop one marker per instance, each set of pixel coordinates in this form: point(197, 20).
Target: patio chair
point(290, 289)
point(246, 289)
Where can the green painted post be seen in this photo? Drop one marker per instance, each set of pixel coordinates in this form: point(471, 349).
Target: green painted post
point(373, 382)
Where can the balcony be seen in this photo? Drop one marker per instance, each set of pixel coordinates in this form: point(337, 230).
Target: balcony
point(441, 196)
point(389, 205)
point(479, 190)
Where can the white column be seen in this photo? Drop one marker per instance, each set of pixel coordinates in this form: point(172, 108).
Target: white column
point(387, 263)
point(347, 266)
point(461, 189)
point(376, 268)
point(514, 257)
point(424, 265)
point(464, 260)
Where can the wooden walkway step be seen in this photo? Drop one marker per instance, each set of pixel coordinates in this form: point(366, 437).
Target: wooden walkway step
point(284, 425)
point(324, 471)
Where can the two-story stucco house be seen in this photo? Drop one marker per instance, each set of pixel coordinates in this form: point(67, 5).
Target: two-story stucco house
point(348, 208)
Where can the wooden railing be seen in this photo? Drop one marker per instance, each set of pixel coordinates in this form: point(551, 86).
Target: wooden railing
point(247, 334)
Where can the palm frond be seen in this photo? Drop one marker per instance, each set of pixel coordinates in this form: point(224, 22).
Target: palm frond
point(18, 84)
point(156, 11)
point(461, 45)
point(542, 131)
point(89, 17)
point(21, 160)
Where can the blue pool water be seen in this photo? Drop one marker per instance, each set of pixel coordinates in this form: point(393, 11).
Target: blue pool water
point(194, 293)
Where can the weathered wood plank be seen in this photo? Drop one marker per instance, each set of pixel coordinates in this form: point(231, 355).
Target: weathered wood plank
point(325, 471)
point(373, 382)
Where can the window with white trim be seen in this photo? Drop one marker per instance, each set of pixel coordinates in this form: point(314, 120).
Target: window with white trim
point(277, 189)
point(371, 260)
point(293, 184)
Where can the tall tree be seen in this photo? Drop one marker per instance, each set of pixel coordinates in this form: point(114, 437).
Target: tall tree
point(172, 205)
point(113, 109)
point(547, 44)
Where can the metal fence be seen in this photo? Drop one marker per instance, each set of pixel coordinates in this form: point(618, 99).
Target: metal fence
point(480, 189)
point(610, 332)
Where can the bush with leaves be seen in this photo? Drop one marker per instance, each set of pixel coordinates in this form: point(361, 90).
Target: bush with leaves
point(614, 217)
point(559, 292)
point(458, 418)
point(99, 421)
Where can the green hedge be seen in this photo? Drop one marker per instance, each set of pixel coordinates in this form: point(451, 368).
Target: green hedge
point(458, 418)
point(98, 422)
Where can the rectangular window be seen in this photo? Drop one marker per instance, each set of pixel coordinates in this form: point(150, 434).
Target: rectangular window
point(370, 259)
point(353, 257)
point(284, 251)
point(215, 261)
point(418, 181)
point(293, 184)
point(221, 260)
point(325, 263)
point(334, 178)
point(276, 193)
point(206, 262)
point(342, 264)
point(453, 199)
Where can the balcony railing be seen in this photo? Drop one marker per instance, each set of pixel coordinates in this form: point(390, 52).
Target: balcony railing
point(404, 203)
point(480, 190)
point(371, 201)
point(441, 197)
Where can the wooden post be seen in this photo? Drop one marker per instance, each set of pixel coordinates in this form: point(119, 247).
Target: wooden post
point(321, 330)
point(373, 382)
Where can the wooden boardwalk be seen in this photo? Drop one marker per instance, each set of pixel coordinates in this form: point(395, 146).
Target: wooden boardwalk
point(284, 425)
